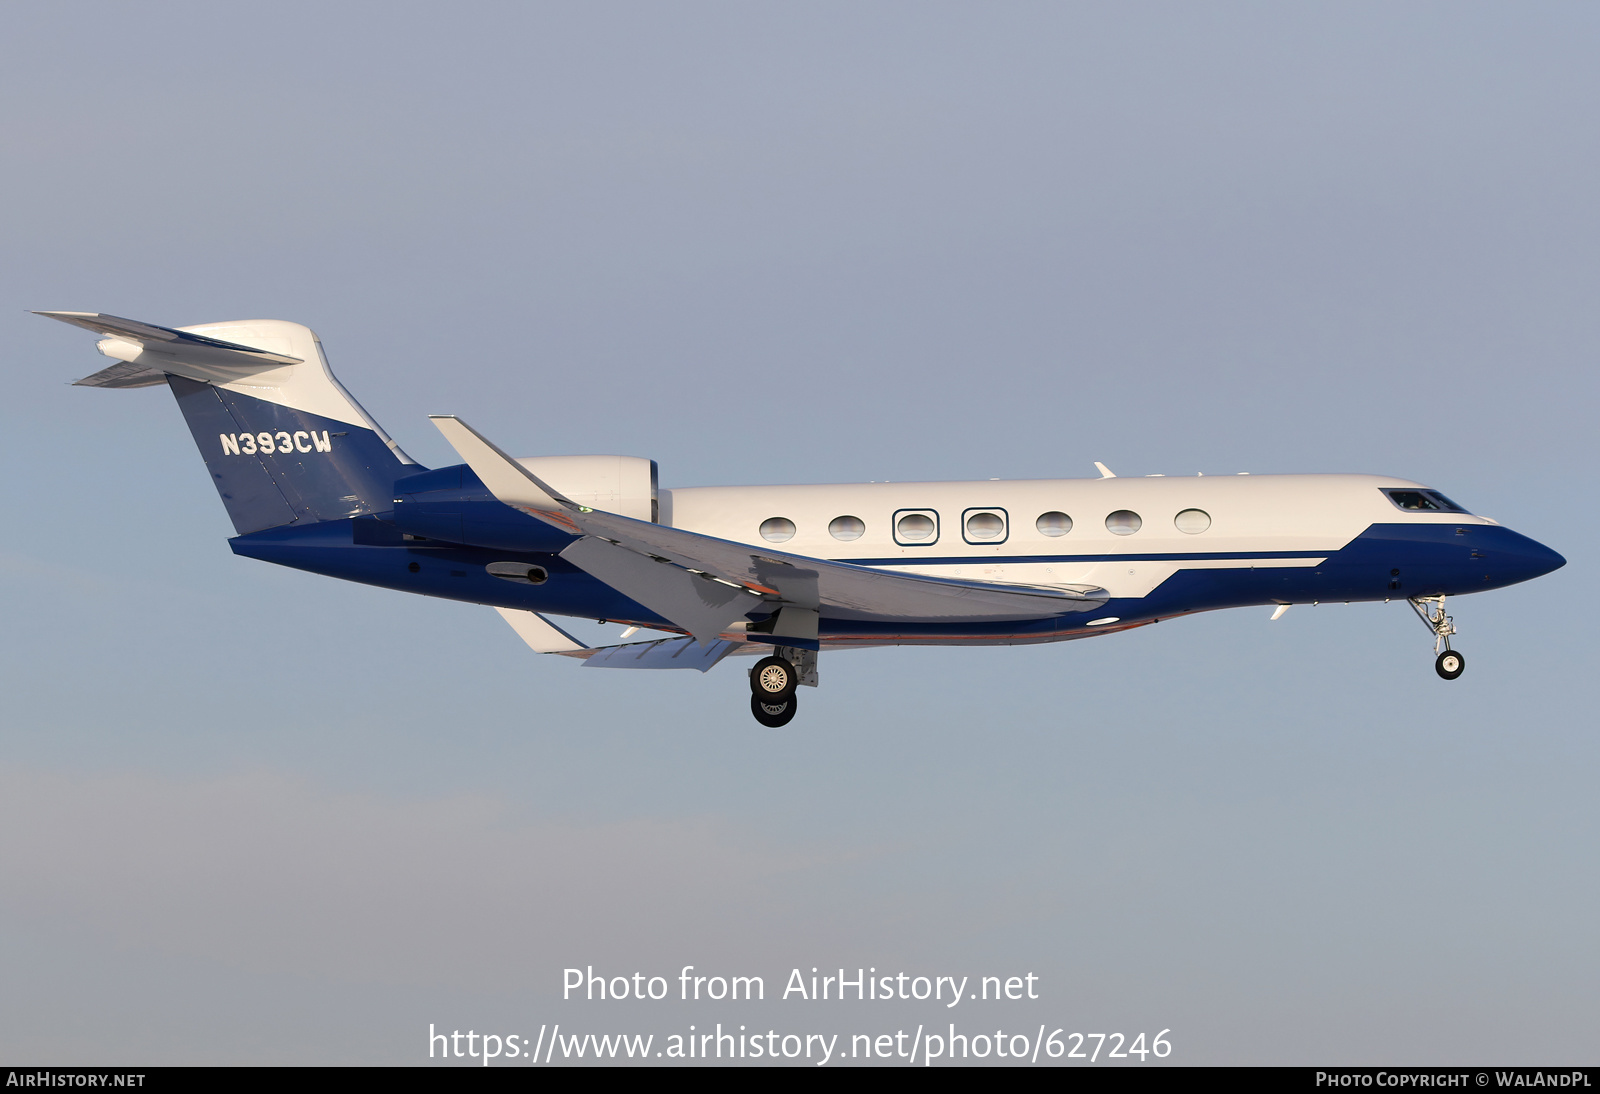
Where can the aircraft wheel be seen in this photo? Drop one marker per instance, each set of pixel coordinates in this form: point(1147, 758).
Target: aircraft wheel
point(1450, 664)
point(773, 715)
point(773, 680)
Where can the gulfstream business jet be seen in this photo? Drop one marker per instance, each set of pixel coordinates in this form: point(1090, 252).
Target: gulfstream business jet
point(781, 573)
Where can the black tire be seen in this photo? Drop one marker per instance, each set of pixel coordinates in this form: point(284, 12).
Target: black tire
point(773, 715)
point(773, 680)
point(1450, 664)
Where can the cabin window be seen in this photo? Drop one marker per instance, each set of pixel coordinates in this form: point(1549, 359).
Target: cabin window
point(777, 529)
point(1423, 501)
point(1124, 522)
point(984, 525)
point(916, 527)
point(1053, 524)
point(847, 528)
point(1192, 521)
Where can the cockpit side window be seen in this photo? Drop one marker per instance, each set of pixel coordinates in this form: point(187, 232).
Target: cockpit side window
point(1422, 501)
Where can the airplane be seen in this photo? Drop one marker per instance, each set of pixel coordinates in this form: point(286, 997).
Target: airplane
point(781, 573)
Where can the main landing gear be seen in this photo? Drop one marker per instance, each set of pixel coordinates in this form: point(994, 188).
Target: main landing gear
point(773, 681)
point(773, 715)
point(772, 684)
point(774, 678)
point(1430, 609)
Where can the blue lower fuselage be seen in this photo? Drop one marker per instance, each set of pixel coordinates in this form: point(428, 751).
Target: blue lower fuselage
point(1384, 562)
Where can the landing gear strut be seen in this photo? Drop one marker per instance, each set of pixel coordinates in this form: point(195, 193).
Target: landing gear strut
point(1430, 609)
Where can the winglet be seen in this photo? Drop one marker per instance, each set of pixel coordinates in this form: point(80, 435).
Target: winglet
point(1105, 472)
point(506, 479)
point(541, 635)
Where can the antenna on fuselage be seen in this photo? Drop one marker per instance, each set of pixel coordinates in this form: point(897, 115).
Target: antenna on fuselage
point(1105, 472)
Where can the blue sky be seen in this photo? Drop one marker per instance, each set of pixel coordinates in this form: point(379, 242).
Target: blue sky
point(250, 815)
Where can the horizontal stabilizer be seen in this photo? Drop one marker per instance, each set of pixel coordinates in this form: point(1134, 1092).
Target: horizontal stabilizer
point(114, 326)
point(147, 352)
point(124, 374)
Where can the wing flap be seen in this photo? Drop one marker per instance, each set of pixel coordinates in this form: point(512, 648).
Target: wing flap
point(700, 605)
point(543, 636)
point(663, 653)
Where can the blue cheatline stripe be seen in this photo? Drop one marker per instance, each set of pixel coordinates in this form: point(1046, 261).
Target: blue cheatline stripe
point(1191, 556)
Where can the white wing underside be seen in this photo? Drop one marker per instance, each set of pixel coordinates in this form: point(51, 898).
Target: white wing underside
point(687, 653)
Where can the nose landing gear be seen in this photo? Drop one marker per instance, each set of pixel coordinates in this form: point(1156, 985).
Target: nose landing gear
point(1430, 609)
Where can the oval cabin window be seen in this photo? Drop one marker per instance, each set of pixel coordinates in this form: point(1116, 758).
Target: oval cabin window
point(847, 528)
point(1192, 521)
point(983, 526)
point(1053, 524)
point(914, 527)
point(1124, 522)
point(777, 529)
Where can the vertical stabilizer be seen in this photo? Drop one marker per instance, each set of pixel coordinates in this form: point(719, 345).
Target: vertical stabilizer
point(284, 441)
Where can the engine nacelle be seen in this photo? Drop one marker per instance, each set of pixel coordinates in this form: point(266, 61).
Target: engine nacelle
point(450, 504)
point(615, 484)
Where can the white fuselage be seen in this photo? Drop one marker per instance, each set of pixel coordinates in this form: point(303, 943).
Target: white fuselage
point(1305, 517)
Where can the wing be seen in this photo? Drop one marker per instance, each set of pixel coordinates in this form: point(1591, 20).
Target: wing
point(715, 579)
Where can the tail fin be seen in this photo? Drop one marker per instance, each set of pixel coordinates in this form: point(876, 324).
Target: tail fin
point(284, 441)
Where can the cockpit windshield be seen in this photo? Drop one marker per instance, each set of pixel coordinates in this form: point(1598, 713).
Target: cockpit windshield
point(1422, 501)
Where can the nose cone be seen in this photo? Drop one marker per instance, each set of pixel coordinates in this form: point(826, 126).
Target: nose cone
point(1539, 559)
point(1518, 558)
